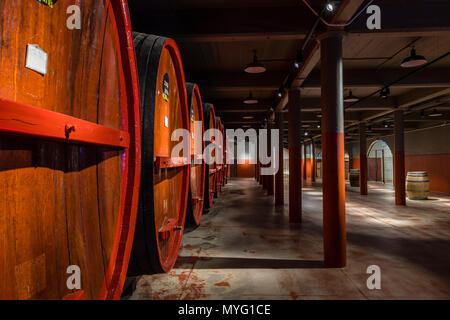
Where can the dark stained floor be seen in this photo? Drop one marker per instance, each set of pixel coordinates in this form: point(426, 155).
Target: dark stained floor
point(246, 249)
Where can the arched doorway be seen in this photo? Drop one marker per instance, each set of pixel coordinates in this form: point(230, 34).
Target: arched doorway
point(380, 162)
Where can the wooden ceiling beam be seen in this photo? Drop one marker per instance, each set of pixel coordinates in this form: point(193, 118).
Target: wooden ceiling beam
point(223, 24)
point(372, 78)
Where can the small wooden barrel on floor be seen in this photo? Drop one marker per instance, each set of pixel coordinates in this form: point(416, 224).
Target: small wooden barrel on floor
point(417, 185)
point(354, 177)
point(197, 176)
point(209, 118)
point(165, 177)
point(70, 169)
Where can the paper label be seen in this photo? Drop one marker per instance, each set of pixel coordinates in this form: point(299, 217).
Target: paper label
point(36, 59)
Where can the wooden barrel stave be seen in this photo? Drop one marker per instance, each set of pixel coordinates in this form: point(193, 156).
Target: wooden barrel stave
point(164, 190)
point(197, 175)
point(77, 201)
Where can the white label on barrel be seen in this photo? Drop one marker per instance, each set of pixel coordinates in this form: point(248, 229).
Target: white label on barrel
point(36, 59)
point(166, 122)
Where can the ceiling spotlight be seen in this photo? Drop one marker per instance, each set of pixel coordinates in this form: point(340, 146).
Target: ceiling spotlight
point(318, 125)
point(385, 124)
point(351, 98)
point(248, 117)
point(255, 66)
point(298, 60)
point(413, 60)
point(435, 113)
point(319, 115)
point(329, 6)
point(306, 133)
point(280, 92)
point(250, 99)
point(385, 92)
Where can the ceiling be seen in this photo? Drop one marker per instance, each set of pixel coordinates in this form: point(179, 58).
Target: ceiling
point(217, 39)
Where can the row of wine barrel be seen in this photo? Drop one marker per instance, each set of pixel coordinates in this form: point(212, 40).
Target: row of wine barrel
point(89, 191)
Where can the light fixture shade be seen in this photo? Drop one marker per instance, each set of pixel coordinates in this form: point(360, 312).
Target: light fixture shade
point(435, 113)
point(385, 92)
point(250, 99)
point(413, 60)
point(248, 117)
point(255, 66)
point(351, 98)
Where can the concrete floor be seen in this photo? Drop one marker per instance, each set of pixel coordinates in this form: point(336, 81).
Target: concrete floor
point(246, 249)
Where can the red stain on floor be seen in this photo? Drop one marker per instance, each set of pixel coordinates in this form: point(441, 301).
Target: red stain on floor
point(244, 234)
point(222, 284)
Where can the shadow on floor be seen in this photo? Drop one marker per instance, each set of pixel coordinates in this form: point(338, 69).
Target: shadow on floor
point(249, 263)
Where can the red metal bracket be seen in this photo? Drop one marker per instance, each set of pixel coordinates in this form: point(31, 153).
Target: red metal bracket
point(168, 227)
point(168, 162)
point(22, 119)
point(195, 201)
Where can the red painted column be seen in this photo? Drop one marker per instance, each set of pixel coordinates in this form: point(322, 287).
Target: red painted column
point(304, 161)
point(264, 177)
point(399, 160)
point(333, 150)
point(313, 161)
point(257, 159)
point(295, 157)
point(270, 178)
point(279, 176)
point(362, 159)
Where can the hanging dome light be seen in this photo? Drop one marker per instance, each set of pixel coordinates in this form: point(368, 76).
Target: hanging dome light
point(413, 60)
point(385, 92)
point(351, 98)
point(255, 66)
point(250, 99)
point(435, 113)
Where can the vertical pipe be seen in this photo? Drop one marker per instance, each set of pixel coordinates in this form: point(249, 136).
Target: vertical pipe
point(362, 159)
point(333, 150)
point(279, 176)
point(270, 178)
point(313, 161)
point(399, 160)
point(295, 157)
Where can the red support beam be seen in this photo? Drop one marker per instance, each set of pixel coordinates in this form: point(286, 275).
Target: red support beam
point(399, 160)
point(168, 162)
point(25, 120)
point(333, 150)
point(362, 159)
point(313, 161)
point(295, 157)
point(270, 178)
point(279, 176)
point(304, 161)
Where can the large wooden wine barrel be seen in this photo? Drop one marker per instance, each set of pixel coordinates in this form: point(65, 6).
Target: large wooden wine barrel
point(197, 175)
point(354, 177)
point(417, 185)
point(219, 145)
point(165, 177)
point(69, 150)
point(209, 118)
